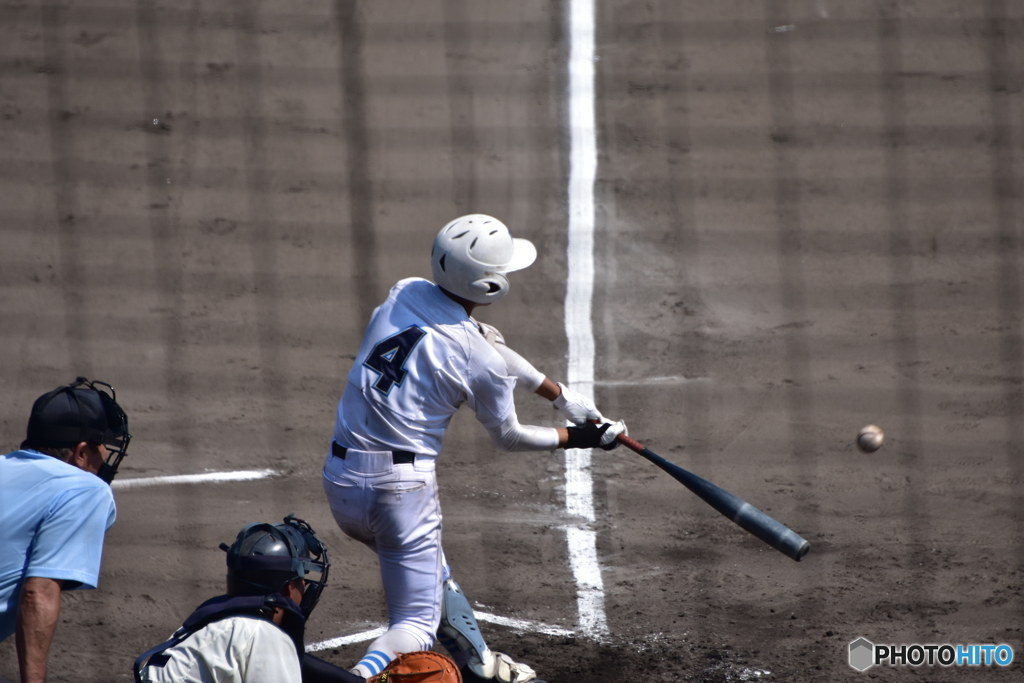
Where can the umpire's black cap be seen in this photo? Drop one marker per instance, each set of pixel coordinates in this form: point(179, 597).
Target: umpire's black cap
point(71, 414)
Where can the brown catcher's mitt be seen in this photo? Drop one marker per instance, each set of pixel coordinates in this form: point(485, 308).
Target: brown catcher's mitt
point(419, 667)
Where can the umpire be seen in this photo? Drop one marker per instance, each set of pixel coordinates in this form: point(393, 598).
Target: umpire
point(56, 507)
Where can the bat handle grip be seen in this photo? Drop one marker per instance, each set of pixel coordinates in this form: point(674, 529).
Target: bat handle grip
point(631, 444)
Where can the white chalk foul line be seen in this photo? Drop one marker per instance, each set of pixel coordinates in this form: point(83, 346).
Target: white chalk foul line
point(523, 625)
point(206, 478)
point(579, 488)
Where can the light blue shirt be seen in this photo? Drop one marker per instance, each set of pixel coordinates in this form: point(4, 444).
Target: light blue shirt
point(53, 517)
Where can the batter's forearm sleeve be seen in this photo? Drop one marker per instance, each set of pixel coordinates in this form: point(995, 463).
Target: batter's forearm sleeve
point(512, 436)
point(526, 375)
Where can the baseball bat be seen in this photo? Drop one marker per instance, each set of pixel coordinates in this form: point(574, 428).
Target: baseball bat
point(778, 536)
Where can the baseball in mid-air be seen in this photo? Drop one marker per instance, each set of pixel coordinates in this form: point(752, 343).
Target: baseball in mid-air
point(870, 438)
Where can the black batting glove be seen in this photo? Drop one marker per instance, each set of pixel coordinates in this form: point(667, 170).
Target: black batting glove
point(587, 435)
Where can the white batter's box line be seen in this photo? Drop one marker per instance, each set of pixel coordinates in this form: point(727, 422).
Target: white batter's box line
point(523, 625)
point(361, 637)
point(514, 624)
point(205, 478)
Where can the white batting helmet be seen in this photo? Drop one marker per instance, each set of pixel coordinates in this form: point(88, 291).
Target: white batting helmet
point(472, 254)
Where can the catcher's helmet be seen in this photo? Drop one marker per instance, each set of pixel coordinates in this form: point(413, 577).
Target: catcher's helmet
point(472, 254)
point(265, 557)
point(81, 411)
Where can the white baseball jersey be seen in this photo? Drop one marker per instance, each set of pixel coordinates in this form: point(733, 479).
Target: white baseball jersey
point(239, 649)
point(421, 358)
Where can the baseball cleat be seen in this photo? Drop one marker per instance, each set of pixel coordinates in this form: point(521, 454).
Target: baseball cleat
point(499, 667)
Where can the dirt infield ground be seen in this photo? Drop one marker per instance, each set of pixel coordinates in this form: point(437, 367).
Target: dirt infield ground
point(808, 218)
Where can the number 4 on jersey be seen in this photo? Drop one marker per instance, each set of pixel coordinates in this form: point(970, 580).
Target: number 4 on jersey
point(389, 355)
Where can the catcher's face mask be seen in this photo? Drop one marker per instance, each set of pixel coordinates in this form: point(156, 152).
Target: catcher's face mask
point(265, 557)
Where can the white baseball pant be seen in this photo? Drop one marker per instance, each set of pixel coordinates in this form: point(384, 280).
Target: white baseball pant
point(394, 509)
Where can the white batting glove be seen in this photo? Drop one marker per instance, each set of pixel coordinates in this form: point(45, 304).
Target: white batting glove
point(610, 438)
point(577, 408)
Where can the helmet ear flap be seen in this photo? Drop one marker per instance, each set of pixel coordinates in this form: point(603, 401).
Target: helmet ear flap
point(492, 287)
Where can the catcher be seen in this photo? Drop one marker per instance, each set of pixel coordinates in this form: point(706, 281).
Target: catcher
point(254, 633)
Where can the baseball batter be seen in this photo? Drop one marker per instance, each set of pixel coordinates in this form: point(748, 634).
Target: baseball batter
point(422, 357)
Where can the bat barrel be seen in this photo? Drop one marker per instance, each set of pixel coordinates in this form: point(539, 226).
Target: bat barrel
point(772, 532)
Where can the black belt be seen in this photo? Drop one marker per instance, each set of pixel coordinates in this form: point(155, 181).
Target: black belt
point(397, 457)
